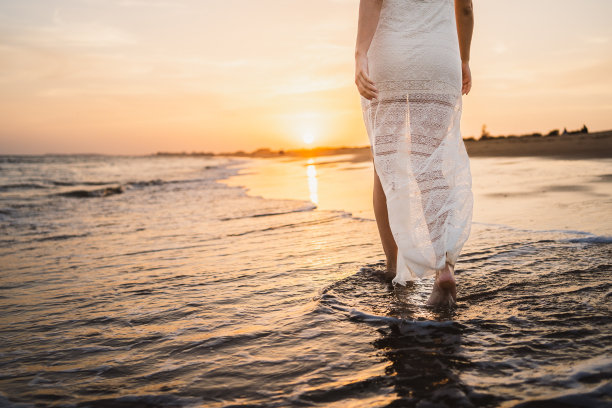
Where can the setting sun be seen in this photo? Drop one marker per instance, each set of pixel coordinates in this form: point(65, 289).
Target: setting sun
point(308, 138)
point(90, 76)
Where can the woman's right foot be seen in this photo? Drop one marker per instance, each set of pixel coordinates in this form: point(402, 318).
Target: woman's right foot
point(444, 292)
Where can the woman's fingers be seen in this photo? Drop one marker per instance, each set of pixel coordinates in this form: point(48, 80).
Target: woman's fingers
point(365, 77)
point(467, 78)
point(467, 85)
point(366, 86)
point(369, 85)
point(366, 92)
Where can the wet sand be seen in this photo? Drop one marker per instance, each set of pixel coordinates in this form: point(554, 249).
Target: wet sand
point(540, 193)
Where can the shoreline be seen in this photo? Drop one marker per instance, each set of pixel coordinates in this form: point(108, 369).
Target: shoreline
point(573, 145)
point(595, 145)
point(531, 193)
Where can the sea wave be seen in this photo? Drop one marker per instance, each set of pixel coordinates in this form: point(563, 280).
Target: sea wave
point(307, 207)
point(100, 192)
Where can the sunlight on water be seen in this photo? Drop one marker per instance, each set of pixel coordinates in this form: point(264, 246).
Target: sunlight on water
point(349, 188)
point(311, 173)
point(150, 281)
point(525, 192)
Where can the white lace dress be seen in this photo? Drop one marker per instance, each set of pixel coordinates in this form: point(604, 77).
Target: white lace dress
point(413, 127)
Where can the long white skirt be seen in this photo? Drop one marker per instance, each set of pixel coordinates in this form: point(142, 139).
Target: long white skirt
point(414, 131)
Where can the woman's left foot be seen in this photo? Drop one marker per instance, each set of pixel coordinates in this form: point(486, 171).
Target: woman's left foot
point(389, 273)
point(444, 292)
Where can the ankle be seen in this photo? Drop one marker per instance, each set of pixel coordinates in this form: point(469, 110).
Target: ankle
point(445, 273)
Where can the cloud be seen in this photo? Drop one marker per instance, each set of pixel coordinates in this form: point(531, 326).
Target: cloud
point(176, 4)
point(149, 3)
point(596, 40)
point(64, 34)
point(500, 48)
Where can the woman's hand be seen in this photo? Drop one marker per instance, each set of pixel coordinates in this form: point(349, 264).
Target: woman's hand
point(364, 84)
point(466, 75)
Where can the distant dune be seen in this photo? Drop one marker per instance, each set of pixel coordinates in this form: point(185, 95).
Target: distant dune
point(581, 145)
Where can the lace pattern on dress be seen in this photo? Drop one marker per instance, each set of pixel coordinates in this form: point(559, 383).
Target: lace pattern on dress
point(424, 170)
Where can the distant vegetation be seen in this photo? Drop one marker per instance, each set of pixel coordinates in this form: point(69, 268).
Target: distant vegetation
point(325, 151)
point(183, 153)
point(485, 135)
point(266, 152)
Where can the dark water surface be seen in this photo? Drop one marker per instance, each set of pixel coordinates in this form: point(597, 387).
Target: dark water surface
point(147, 282)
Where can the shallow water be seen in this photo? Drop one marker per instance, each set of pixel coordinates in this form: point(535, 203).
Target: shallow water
point(147, 281)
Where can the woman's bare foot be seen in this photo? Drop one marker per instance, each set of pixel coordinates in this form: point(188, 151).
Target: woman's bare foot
point(444, 292)
point(389, 273)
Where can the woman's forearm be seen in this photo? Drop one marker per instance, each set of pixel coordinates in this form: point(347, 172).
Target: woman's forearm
point(464, 14)
point(369, 12)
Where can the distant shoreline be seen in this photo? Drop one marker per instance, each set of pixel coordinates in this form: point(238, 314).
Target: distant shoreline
point(571, 145)
point(578, 145)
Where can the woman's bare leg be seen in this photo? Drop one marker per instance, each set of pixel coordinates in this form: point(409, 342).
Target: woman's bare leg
point(444, 291)
point(382, 220)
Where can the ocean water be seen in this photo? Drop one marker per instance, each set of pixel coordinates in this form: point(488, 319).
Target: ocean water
point(149, 282)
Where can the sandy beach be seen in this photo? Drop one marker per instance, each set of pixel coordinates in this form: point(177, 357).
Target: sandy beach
point(569, 146)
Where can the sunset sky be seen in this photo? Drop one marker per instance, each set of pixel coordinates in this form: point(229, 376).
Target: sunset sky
point(141, 76)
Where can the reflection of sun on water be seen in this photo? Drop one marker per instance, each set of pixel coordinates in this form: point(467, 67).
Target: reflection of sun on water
point(311, 172)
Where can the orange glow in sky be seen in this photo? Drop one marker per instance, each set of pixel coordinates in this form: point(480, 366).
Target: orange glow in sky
point(136, 76)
